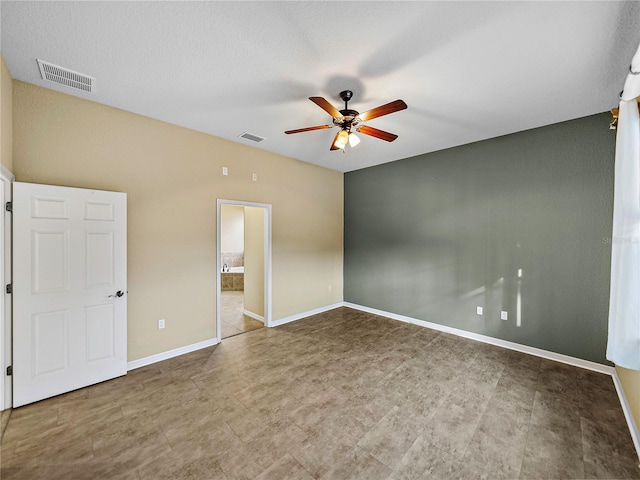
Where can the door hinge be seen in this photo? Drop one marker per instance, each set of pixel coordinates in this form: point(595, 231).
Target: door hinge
point(8, 206)
point(10, 370)
point(9, 288)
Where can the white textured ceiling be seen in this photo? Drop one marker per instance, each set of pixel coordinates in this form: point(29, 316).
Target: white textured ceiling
point(467, 70)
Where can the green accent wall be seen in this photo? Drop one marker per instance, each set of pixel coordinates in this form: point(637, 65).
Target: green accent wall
point(520, 223)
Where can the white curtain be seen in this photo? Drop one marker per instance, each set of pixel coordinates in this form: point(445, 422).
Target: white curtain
point(623, 347)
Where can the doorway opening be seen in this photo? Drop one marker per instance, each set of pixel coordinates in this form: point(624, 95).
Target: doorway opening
point(243, 267)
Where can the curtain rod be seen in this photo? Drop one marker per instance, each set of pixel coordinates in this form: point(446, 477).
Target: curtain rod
point(615, 111)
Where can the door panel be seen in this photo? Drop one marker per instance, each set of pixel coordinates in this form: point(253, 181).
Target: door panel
point(69, 262)
point(100, 326)
point(50, 333)
point(100, 258)
point(49, 208)
point(50, 262)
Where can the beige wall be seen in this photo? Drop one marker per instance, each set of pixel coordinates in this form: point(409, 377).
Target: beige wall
point(232, 226)
point(630, 380)
point(6, 116)
point(173, 177)
point(254, 260)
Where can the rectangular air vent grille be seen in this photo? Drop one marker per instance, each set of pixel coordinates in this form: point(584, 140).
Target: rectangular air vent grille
point(64, 76)
point(252, 137)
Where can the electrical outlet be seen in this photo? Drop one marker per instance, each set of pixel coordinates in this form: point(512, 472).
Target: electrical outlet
point(330, 287)
point(161, 324)
point(504, 315)
point(479, 310)
point(254, 176)
point(225, 171)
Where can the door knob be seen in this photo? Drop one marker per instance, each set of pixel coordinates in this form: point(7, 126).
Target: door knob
point(118, 294)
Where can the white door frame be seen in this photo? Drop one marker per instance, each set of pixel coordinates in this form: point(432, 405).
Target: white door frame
point(267, 260)
point(6, 386)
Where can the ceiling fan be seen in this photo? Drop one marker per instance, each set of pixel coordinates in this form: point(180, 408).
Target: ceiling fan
point(348, 119)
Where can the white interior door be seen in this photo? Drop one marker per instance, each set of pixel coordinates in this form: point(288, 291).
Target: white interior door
point(69, 289)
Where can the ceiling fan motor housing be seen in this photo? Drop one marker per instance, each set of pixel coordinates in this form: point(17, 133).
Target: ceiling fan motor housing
point(349, 118)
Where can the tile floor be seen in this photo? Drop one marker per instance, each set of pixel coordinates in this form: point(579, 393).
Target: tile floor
point(340, 395)
point(233, 320)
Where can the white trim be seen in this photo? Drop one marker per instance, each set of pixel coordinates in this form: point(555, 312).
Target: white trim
point(6, 353)
point(6, 173)
point(298, 316)
point(267, 260)
point(268, 304)
point(5, 343)
point(255, 316)
point(633, 427)
point(159, 357)
point(538, 352)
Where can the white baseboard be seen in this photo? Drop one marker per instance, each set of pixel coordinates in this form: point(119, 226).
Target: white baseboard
point(538, 352)
point(158, 357)
point(633, 427)
point(255, 316)
point(298, 316)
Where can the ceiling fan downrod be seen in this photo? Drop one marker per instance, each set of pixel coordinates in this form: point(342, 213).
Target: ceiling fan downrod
point(346, 95)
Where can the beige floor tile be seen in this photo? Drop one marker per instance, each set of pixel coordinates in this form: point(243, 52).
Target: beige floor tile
point(232, 318)
point(358, 464)
point(286, 468)
point(392, 436)
point(339, 395)
point(423, 460)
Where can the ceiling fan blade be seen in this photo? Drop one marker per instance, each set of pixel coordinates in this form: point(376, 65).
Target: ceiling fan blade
point(326, 106)
point(374, 132)
point(333, 143)
point(385, 109)
point(308, 129)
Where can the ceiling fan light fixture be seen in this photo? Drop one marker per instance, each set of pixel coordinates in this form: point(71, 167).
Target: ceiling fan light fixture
point(353, 140)
point(342, 139)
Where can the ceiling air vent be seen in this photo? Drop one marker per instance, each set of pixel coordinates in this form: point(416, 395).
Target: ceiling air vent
point(64, 76)
point(252, 137)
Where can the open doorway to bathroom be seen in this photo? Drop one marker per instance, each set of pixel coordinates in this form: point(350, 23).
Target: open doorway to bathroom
point(244, 260)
